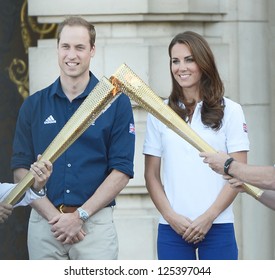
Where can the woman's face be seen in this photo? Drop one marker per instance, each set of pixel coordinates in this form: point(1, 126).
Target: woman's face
point(185, 70)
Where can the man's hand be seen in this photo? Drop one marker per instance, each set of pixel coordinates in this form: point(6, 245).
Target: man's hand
point(41, 171)
point(215, 160)
point(5, 211)
point(67, 228)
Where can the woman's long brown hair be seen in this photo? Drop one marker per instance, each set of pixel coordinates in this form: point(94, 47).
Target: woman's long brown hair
point(211, 86)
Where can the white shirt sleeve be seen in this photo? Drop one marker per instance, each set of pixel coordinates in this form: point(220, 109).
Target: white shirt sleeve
point(29, 196)
point(236, 128)
point(152, 143)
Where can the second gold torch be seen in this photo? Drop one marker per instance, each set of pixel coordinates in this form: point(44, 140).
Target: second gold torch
point(124, 79)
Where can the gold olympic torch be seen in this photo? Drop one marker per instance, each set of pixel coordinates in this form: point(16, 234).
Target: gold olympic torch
point(95, 103)
point(125, 80)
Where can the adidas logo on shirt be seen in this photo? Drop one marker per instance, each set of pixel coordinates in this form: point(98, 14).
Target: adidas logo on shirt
point(50, 120)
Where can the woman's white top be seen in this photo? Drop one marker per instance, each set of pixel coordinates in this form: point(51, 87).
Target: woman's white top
point(190, 185)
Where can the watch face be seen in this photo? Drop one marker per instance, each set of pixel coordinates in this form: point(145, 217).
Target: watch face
point(42, 191)
point(83, 215)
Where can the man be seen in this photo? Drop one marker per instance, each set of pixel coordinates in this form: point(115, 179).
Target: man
point(259, 176)
point(41, 172)
point(75, 220)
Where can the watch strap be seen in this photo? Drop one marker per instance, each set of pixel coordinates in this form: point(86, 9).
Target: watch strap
point(227, 165)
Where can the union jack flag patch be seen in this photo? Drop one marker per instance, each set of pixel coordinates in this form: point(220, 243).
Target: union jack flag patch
point(244, 127)
point(132, 129)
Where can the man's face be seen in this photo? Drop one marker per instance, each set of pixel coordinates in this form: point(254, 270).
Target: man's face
point(74, 51)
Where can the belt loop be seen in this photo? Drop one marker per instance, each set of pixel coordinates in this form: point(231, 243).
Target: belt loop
point(60, 208)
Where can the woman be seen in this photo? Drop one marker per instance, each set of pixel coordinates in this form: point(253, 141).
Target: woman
point(195, 203)
point(41, 171)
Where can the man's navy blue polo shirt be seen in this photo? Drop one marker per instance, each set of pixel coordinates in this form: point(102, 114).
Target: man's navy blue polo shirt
point(106, 145)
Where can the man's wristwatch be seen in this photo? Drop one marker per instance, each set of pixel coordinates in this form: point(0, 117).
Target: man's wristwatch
point(42, 192)
point(83, 215)
point(227, 165)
